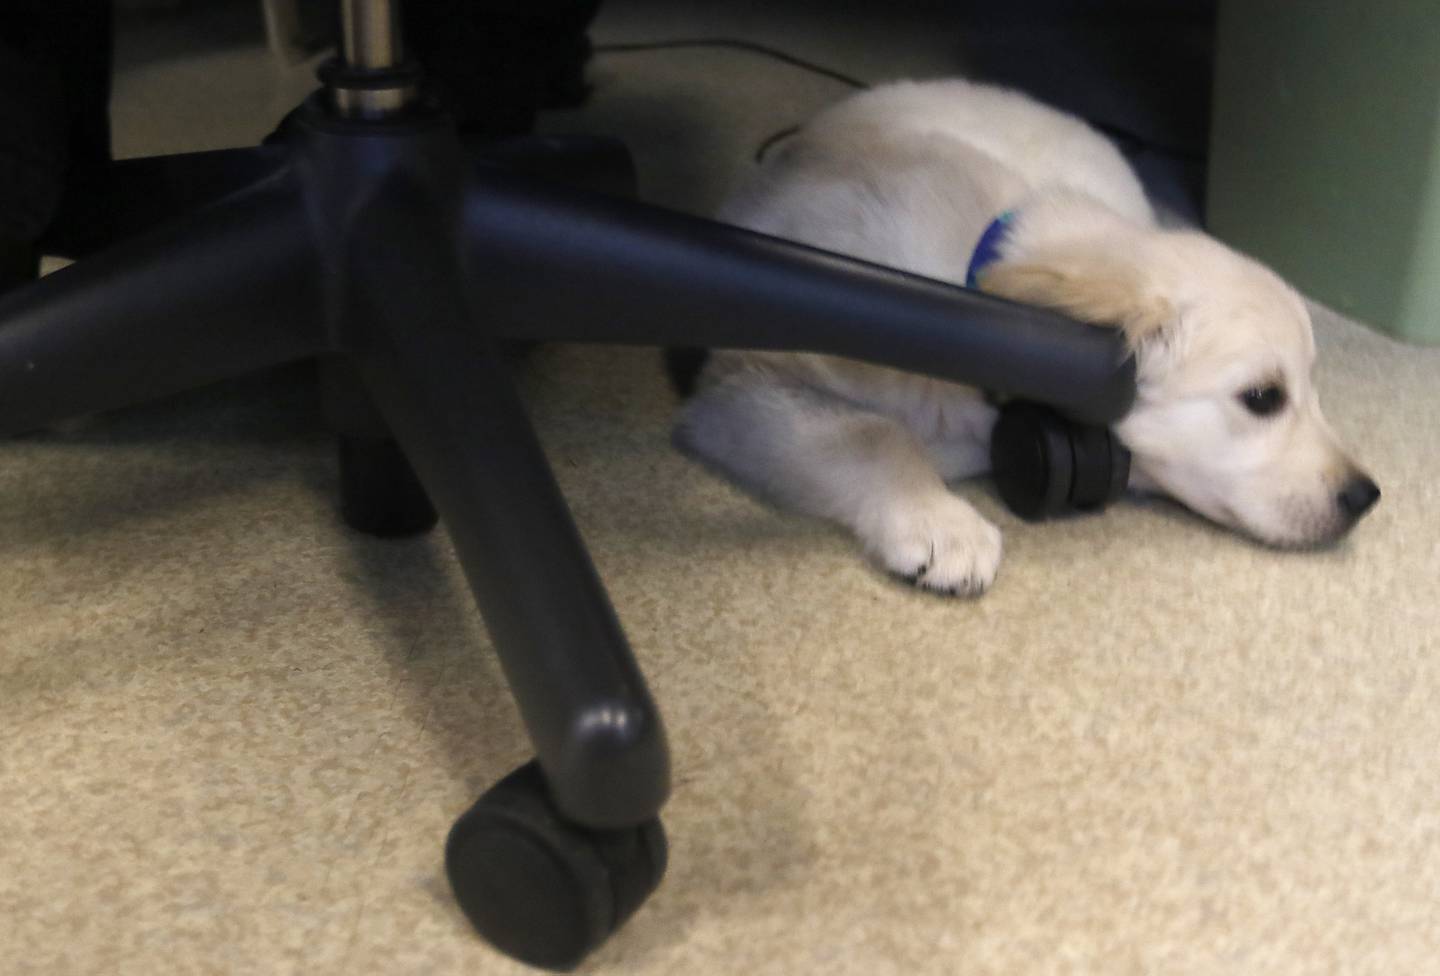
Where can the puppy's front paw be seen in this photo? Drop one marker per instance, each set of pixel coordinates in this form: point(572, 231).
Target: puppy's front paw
point(941, 544)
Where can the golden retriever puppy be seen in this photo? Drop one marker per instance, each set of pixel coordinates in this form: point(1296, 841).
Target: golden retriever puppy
point(912, 175)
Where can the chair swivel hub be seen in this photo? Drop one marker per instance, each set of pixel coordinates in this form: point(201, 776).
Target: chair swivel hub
point(371, 78)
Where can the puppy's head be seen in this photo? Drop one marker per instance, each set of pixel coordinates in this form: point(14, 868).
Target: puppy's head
point(1226, 418)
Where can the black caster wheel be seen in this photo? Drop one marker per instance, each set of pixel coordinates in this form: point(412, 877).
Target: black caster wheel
point(540, 889)
point(1045, 465)
point(1031, 461)
point(379, 492)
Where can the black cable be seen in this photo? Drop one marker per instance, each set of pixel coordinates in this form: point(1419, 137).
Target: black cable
point(735, 44)
point(773, 138)
point(753, 48)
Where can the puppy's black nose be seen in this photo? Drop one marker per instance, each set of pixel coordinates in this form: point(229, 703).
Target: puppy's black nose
point(1358, 496)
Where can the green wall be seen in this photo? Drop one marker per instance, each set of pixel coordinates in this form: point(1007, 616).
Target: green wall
point(1325, 152)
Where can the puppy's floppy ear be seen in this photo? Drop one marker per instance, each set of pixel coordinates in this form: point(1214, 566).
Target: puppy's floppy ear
point(1089, 285)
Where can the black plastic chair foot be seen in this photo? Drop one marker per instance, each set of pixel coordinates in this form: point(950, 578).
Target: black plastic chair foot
point(539, 888)
point(379, 492)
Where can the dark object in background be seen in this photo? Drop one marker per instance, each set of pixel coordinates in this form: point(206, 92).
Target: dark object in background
point(1140, 71)
point(54, 110)
point(498, 61)
point(501, 61)
point(683, 365)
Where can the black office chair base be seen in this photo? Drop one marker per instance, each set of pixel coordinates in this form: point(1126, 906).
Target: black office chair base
point(539, 888)
point(408, 258)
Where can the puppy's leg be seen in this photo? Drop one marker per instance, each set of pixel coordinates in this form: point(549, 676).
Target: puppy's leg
point(821, 456)
point(963, 450)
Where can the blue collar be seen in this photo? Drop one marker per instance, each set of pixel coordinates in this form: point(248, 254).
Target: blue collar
point(987, 249)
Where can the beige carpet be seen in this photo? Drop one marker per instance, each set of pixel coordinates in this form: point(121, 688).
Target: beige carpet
point(234, 734)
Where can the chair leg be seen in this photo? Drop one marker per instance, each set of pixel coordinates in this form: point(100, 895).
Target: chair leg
point(131, 196)
point(597, 163)
point(229, 290)
point(380, 494)
point(551, 262)
point(444, 390)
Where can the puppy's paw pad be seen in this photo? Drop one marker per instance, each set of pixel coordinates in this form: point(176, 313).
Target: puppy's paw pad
point(944, 546)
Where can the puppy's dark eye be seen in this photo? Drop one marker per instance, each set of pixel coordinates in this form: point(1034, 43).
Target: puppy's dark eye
point(1262, 401)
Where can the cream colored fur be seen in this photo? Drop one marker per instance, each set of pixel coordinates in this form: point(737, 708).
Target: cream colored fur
point(910, 175)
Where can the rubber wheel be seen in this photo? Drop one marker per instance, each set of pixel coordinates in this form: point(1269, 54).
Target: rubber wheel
point(379, 492)
point(539, 888)
point(1090, 488)
point(1031, 461)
